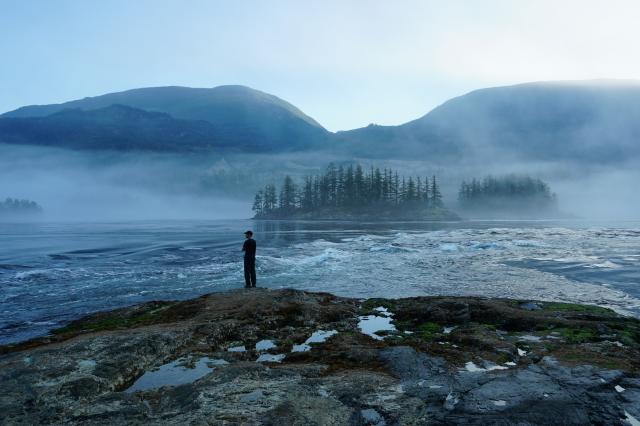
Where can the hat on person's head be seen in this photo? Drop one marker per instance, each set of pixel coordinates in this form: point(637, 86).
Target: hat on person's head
point(249, 233)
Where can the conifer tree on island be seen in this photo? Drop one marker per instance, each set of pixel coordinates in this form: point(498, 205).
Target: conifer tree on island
point(511, 193)
point(352, 193)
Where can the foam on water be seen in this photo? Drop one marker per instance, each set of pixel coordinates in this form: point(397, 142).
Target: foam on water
point(631, 420)
point(81, 270)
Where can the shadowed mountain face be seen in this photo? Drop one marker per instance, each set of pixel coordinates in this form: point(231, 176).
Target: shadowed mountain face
point(583, 122)
point(236, 116)
point(116, 127)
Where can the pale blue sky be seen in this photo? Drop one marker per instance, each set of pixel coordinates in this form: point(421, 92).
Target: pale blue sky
point(345, 63)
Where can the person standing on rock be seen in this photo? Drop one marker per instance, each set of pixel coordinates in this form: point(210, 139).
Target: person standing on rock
point(249, 249)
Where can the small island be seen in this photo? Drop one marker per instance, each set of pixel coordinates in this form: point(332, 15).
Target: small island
point(512, 196)
point(351, 193)
point(13, 208)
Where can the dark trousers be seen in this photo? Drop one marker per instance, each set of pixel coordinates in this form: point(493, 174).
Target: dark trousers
point(250, 272)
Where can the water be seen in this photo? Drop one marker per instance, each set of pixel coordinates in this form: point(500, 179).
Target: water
point(265, 345)
point(270, 358)
point(52, 273)
point(381, 322)
point(175, 373)
point(319, 336)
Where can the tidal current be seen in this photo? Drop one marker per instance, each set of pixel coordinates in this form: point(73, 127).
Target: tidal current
point(52, 273)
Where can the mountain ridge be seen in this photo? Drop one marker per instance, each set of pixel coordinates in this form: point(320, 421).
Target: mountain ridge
point(240, 116)
point(113, 97)
point(593, 120)
point(523, 120)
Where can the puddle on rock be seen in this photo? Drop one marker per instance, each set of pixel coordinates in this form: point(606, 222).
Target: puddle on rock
point(473, 368)
point(237, 349)
point(371, 324)
point(265, 345)
point(382, 310)
point(175, 373)
point(270, 358)
point(530, 338)
point(319, 336)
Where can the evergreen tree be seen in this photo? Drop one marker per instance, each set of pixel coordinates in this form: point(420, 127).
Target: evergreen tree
point(358, 181)
point(306, 200)
point(386, 186)
point(340, 188)
point(410, 195)
point(436, 196)
point(270, 200)
point(396, 188)
point(257, 203)
point(426, 193)
point(463, 193)
point(350, 187)
point(288, 195)
point(323, 196)
point(377, 185)
point(332, 184)
point(316, 192)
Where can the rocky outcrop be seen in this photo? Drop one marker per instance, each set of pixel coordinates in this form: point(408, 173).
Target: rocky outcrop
point(289, 357)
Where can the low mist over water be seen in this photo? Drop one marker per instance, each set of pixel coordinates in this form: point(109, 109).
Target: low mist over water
point(104, 186)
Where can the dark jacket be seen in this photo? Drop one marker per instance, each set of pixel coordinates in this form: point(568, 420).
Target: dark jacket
point(249, 248)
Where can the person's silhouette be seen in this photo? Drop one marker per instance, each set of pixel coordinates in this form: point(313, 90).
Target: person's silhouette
point(249, 249)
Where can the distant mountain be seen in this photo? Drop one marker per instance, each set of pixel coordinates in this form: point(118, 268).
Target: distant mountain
point(592, 121)
point(238, 116)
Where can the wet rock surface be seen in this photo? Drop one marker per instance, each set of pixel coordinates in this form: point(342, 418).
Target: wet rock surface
point(444, 360)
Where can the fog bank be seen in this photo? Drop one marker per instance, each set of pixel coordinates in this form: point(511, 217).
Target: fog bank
point(103, 186)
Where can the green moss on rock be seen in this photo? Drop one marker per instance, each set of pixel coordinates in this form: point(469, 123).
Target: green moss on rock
point(150, 313)
point(573, 307)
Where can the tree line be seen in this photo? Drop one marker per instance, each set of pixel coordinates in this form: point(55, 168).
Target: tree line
point(510, 187)
point(13, 205)
point(348, 188)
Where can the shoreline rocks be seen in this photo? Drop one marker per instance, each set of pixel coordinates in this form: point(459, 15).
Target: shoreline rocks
point(445, 360)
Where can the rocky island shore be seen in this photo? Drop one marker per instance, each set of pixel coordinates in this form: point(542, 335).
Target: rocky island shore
point(289, 357)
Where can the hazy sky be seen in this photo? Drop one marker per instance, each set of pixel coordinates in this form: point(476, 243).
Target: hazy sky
point(345, 63)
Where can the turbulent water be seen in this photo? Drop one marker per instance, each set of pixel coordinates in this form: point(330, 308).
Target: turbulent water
point(53, 273)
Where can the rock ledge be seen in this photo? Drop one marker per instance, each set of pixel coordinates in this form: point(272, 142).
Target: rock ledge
point(298, 358)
